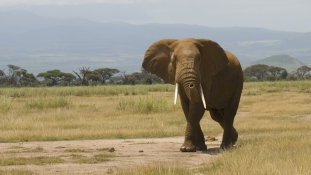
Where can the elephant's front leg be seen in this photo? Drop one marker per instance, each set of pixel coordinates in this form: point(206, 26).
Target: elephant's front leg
point(194, 138)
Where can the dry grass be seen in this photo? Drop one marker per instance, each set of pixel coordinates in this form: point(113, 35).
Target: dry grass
point(274, 122)
point(29, 160)
point(98, 158)
point(89, 118)
point(158, 169)
point(274, 126)
point(16, 172)
point(57, 117)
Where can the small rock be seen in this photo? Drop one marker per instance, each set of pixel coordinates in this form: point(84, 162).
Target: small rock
point(210, 138)
point(109, 171)
point(141, 151)
point(111, 149)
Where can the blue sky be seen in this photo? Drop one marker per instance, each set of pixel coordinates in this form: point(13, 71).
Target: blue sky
point(283, 15)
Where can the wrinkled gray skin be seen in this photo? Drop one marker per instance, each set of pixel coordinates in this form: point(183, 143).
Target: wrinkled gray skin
point(191, 63)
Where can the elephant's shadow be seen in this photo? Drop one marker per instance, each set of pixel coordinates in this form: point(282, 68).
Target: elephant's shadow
point(211, 151)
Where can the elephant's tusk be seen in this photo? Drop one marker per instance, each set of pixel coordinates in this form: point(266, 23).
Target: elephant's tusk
point(176, 94)
point(202, 95)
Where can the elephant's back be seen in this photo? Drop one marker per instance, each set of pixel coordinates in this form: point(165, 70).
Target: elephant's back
point(233, 60)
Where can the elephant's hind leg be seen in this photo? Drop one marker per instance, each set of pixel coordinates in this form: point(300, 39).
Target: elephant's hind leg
point(229, 138)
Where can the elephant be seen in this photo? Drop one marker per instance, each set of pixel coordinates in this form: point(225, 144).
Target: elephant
point(206, 78)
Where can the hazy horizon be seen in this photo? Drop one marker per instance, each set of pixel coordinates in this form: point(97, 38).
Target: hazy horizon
point(273, 15)
point(68, 47)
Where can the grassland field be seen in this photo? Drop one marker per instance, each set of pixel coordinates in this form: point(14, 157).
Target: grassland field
point(273, 121)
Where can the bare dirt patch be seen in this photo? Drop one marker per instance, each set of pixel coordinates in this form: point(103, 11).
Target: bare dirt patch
point(126, 153)
point(308, 117)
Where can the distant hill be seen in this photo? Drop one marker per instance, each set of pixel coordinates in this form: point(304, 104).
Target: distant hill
point(285, 61)
point(38, 43)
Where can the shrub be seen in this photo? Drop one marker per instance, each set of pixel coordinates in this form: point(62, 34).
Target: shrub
point(144, 105)
point(42, 103)
point(5, 104)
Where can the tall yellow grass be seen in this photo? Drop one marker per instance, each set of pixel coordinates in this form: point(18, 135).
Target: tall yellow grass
point(273, 121)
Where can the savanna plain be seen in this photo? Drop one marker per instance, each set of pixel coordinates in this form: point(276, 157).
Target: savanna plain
point(273, 121)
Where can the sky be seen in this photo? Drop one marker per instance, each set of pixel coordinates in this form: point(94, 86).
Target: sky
point(281, 15)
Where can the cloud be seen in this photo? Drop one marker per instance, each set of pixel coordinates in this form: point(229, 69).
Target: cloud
point(65, 2)
point(289, 15)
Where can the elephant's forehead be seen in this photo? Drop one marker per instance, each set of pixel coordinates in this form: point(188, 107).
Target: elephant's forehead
point(186, 49)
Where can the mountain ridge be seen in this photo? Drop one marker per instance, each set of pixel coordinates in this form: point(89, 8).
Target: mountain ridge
point(284, 61)
point(29, 39)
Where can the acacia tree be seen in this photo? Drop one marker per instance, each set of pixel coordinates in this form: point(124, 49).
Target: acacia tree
point(124, 77)
point(16, 75)
point(2, 77)
point(276, 73)
point(259, 71)
point(143, 77)
point(12, 77)
point(56, 76)
point(134, 78)
point(150, 78)
point(104, 73)
point(26, 79)
point(303, 71)
point(83, 72)
point(94, 77)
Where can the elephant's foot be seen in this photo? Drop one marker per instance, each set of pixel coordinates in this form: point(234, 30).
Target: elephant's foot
point(201, 147)
point(234, 138)
point(188, 147)
point(192, 148)
point(224, 146)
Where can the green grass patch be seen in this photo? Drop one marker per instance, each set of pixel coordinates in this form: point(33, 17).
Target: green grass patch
point(105, 90)
point(43, 103)
point(35, 150)
point(16, 172)
point(156, 170)
point(279, 86)
point(30, 160)
point(76, 150)
point(20, 149)
point(5, 104)
point(145, 105)
point(103, 149)
point(98, 158)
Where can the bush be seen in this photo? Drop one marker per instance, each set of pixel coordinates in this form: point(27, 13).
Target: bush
point(144, 105)
point(42, 103)
point(5, 104)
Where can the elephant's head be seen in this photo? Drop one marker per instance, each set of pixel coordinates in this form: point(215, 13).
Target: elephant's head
point(187, 63)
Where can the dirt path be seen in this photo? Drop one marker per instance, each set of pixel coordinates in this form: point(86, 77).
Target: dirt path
point(127, 153)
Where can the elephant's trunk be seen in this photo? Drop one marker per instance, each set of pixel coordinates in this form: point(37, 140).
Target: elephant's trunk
point(192, 91)
point(189, 79)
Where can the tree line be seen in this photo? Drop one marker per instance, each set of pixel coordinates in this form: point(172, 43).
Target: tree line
point(262, 72)
point(17, 76)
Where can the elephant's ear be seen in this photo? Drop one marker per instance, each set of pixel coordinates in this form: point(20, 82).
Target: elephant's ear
point(213, 59)
point(157, 59)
